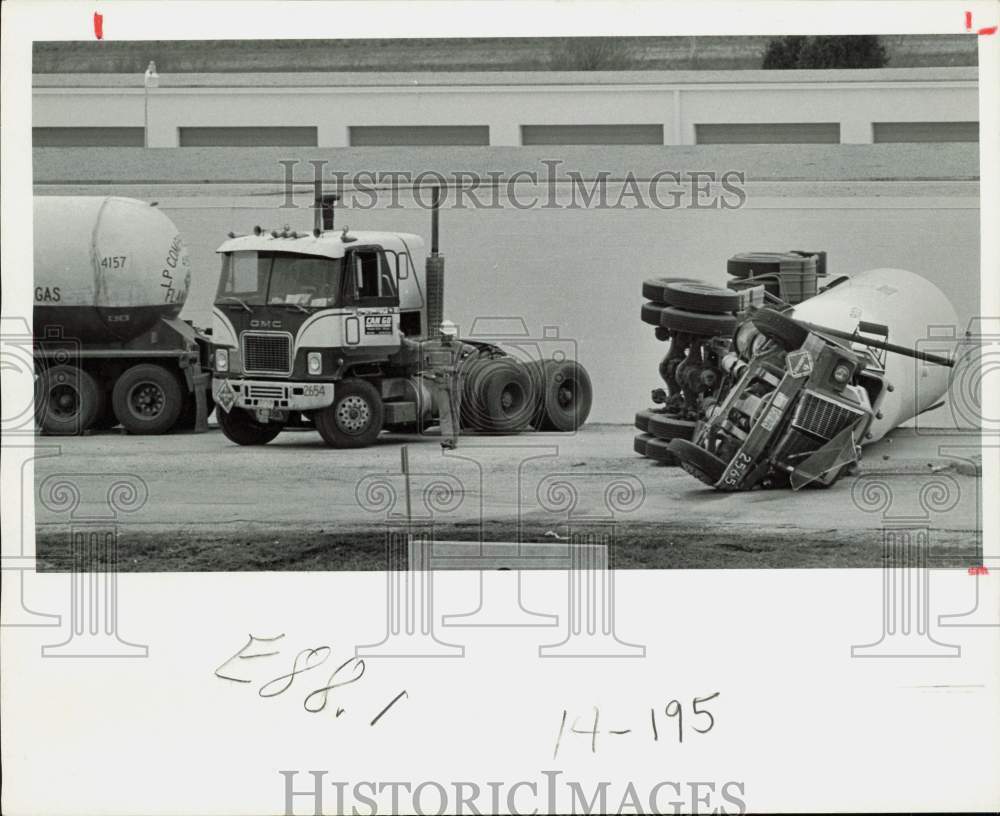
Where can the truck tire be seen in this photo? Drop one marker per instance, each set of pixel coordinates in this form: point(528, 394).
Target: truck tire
point(704, 466)
point(659, 450)
point(565, 395)
point(639, 443)
point(650, 313)
point(67, 400)
point(510, 396)
point(240, 426)
point(654, 288)
point(707, 325)
point(500, 395)
point(642, 419)
point(663, 426)
point(700, 297)
point(781, 329)
point(354, 420)
point(147, 399)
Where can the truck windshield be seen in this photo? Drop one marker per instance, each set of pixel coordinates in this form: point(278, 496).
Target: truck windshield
point(277, 278)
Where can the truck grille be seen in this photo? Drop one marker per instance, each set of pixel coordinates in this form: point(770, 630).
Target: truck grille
point(267, 353)
point(822, 416)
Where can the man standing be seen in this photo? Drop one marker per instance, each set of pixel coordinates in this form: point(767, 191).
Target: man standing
point(440, 365)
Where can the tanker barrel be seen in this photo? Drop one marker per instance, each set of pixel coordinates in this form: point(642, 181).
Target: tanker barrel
point(905, 306)
point(107, 268)
point(434, 268)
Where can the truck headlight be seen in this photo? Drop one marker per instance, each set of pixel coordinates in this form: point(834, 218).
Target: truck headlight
point(842, 373)
point(222, 360)
point(314, 362)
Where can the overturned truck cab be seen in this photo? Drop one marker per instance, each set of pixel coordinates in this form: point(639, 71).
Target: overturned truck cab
point(808, 386)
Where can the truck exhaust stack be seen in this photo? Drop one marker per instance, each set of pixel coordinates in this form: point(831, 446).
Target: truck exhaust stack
point(323, 205)
point(434, 272)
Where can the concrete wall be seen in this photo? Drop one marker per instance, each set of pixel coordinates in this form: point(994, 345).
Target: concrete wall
point(678, 101)
point(581, 269)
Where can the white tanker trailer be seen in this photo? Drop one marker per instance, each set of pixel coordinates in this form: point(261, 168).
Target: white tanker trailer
point(111, 276)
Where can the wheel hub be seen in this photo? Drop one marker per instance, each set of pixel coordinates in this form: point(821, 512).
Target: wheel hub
point(511, 399)
point(64, 400)
point(146, 400)
point(566, 393)
point(353, 415)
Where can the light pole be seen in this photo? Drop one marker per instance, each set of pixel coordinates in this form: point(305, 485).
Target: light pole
point(151, 79)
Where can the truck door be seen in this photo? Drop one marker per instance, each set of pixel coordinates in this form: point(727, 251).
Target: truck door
point(372, 299)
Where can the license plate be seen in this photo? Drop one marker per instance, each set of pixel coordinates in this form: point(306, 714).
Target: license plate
point(265, 405)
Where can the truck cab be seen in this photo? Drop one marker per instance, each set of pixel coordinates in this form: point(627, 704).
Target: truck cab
point(299, 317)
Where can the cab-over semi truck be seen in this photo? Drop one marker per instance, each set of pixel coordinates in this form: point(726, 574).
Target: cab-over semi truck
point(337, 328)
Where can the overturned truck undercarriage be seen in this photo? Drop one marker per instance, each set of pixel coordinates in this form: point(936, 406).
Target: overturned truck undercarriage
point(776, 382)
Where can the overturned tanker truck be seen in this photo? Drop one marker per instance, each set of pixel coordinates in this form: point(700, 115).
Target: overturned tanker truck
point(778, 382)
point(111, 276)
point(334, 330)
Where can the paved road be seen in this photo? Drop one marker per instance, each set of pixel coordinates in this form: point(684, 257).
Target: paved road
point(204, 483)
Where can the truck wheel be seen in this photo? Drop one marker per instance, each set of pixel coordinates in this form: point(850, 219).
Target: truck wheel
point(781, 329)
point(642, 419)
point(509, 396)
point(501, 395)
point(566, 395)
point(650, 313)
point(355, 418)
point(147, 399)
point(239, 426)
point(654, 288)
point(640, 441)
point(659, 450)
point(707, 325)
point(668, 427)
point(67, 400)
point(700, 297)
point(705, 466)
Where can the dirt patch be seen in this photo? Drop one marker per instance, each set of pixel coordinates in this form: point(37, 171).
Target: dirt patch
point(637, 545)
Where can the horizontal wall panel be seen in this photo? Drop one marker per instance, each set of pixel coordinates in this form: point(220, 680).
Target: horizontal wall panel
point(768, 133)
point(591, 134)
point(925, 131)
point(419, 135)
point(247, 136)
point(87, 137)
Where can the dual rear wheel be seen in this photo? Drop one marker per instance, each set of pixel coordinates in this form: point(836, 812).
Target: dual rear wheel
point(146, 399)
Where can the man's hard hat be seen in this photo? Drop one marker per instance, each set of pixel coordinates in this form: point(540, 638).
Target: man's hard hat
point(448, 328)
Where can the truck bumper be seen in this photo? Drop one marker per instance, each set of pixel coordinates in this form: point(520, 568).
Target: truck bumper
point(263, 395)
